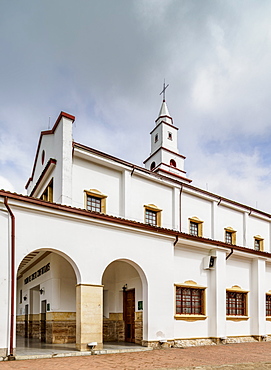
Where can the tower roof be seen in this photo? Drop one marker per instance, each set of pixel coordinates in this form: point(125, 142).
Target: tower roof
point(164, 110)
point(164, 115)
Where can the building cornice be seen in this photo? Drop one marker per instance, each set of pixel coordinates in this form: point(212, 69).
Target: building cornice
point(167, 150)
point(129, 223)
point(166, 123)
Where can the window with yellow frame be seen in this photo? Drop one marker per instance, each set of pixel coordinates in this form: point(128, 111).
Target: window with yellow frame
point(153, 215)
point(230, 235)
point(195, 226)
point(95, 201)
point(258, 243)
point(236, 303)
point(190, 301)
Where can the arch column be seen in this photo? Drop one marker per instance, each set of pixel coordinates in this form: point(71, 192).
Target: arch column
point(89, 316)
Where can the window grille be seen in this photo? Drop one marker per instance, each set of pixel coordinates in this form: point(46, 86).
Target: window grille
point(94, 203)
point(268, 305)
point(189, 301)
point(151, 217)
point(236, 303)
point(194, 228)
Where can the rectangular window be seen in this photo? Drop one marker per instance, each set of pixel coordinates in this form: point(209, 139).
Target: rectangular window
point(236, 303)
point(194, 228)
point(94, 203)
point(189, 301)
point(268, 304)
point(151, 217)
point(169, 135)
point(230, 236)
point(258, 243)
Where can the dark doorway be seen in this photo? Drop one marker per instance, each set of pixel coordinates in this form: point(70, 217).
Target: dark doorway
point(26, 321)
point(129, 315)
point(43, 322)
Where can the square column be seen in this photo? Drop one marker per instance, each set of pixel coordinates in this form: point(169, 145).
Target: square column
point(89, 316)
point(257, 298)
point(217, 294)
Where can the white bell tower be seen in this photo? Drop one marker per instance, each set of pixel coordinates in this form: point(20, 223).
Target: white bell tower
point(164, 157)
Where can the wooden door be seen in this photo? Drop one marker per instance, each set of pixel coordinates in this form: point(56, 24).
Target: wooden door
point(43, 322)
point(129, 315)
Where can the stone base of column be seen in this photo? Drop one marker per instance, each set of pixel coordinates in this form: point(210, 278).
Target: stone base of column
point(89, 317)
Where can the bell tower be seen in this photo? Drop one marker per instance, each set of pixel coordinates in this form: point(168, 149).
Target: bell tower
point(164, 157)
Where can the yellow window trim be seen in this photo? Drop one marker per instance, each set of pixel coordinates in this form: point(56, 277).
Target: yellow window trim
point(233, 234)
point(190, 284)
point(96, 193)
point(191, 317)
point(238, 289)
point(153, 207)
point(237, 318)
point(197, 221)
point(261, 240)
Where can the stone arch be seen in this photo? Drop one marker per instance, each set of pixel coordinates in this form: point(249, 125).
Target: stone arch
point(46, 296)
point(53, 250)
point(125, 294)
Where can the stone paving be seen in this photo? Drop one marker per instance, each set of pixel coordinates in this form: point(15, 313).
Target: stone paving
point(222, 357)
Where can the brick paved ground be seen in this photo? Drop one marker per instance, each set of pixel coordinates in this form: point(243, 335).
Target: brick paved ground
point(251, 355)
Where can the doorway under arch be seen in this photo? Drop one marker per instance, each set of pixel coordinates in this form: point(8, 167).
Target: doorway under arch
point(46, 298)
point(124, 288)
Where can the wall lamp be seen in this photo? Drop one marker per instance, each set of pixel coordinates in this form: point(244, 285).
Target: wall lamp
point(124, 288)
point(42, 291)
point(25, 297)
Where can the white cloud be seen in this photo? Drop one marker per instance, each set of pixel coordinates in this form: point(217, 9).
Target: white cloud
point(105, 62)
point(5, 184)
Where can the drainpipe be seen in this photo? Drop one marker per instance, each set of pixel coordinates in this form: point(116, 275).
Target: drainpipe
point(11, 356)
point(181, 190)
point(228, 256)
point(176, 240)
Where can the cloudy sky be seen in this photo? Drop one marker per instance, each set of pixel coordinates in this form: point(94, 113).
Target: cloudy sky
point(105, 62)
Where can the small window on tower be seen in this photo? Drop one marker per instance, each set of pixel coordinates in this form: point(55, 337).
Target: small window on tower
point(152, 166)
point(172, 163)
point(156, 138)
point(169, 135)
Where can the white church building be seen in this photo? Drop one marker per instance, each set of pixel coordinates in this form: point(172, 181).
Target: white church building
point(103, 250)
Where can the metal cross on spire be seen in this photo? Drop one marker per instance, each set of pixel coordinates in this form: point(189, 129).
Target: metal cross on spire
point(164, 90)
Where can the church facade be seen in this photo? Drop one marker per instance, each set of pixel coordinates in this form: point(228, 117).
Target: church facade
point(103, 250)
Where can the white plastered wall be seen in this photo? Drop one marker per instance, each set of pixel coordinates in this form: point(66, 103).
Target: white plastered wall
point(239, 272)
point(188, 265)
point(193, 206)
point(88, 175)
